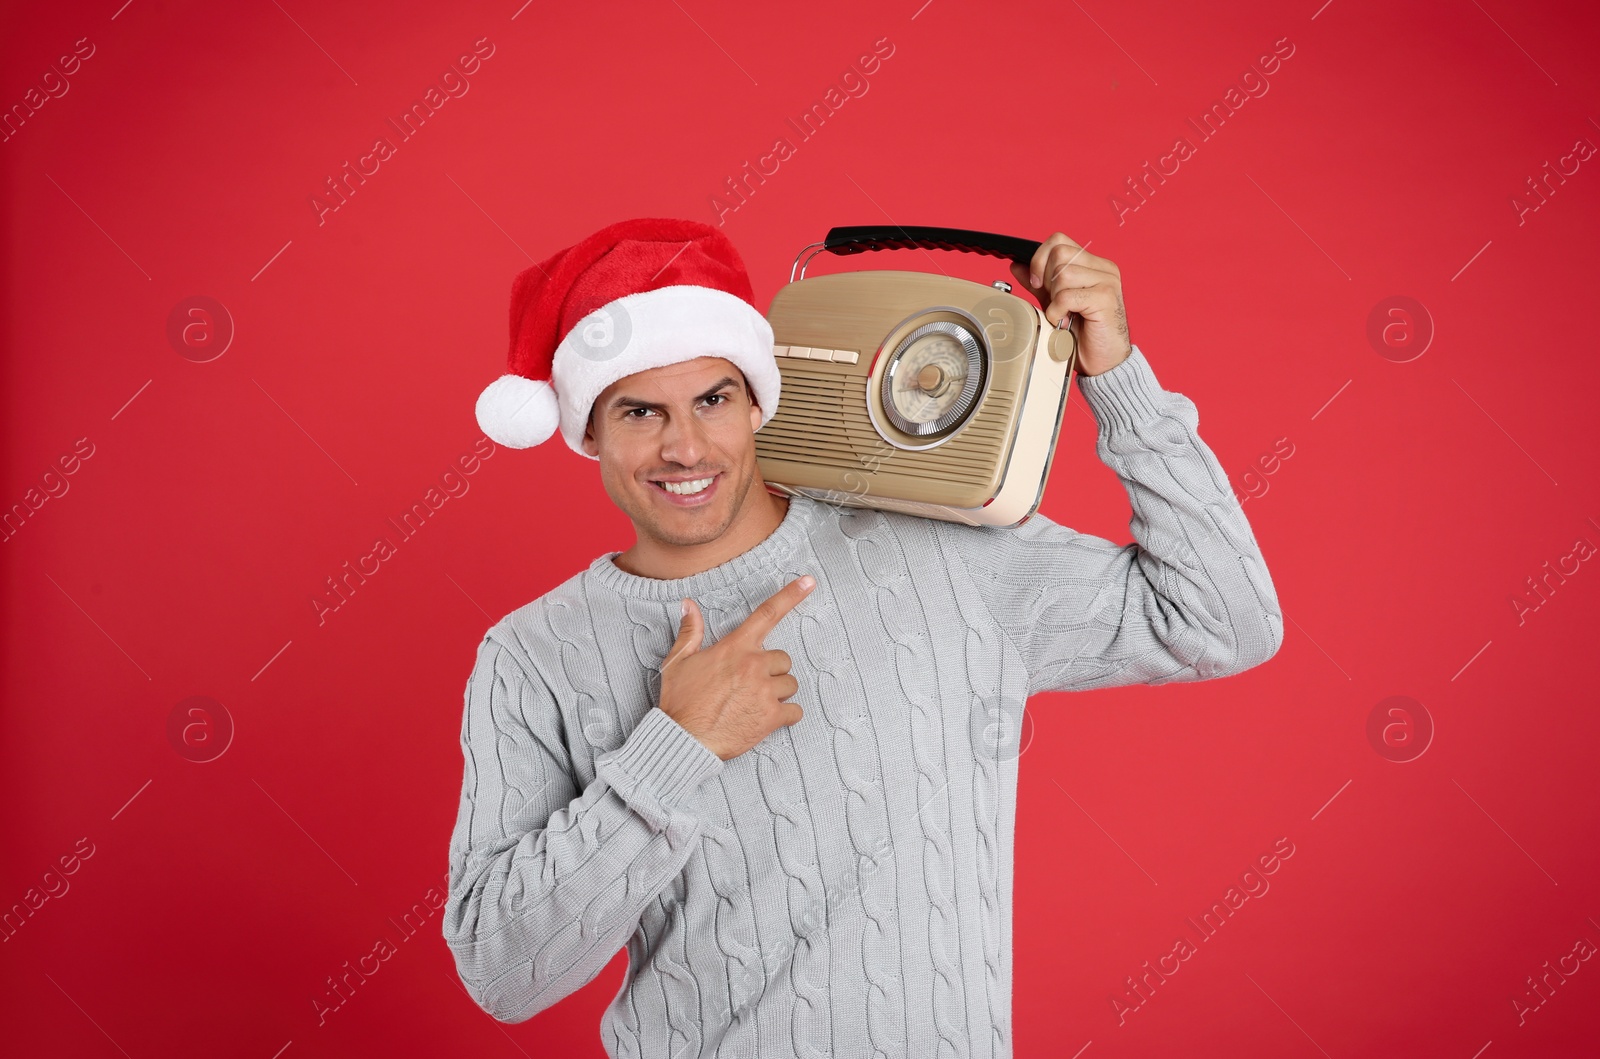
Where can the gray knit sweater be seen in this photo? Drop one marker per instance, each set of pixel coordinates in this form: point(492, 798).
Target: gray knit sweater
point(843, 888)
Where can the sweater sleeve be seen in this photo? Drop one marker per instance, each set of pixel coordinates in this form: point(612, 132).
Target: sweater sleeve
point(1189, 600)
point(547, 881)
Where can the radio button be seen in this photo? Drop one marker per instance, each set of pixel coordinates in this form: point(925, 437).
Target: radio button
point(837, 356)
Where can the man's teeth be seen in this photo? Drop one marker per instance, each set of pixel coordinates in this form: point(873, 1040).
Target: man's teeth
point(687, 488)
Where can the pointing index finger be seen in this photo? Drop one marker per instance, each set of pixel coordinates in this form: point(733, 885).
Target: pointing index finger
point(771, 610)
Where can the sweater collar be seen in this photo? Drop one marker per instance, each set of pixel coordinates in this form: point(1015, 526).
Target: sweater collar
point(759, 563)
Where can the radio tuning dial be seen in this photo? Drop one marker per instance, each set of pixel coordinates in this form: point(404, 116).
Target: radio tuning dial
point(933, 378)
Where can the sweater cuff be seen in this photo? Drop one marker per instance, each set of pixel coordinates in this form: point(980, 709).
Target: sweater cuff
point(1126, 395)
point(657, 767)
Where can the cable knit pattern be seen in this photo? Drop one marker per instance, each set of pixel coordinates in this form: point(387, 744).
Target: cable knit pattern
point(996, 761)
point(844, 888)
point(898, 611)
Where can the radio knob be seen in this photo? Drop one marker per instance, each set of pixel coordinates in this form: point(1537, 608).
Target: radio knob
point(1063, 344)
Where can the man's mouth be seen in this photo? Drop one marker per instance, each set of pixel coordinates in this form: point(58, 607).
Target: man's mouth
point(685, 486)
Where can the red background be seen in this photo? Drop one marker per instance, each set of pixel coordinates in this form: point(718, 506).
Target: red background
point(1421, 494)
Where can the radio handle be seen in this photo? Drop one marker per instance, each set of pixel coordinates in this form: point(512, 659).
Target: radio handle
point(861, 238)
point(858, 239)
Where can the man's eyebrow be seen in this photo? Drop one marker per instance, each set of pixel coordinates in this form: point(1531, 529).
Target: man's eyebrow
point(623, 401)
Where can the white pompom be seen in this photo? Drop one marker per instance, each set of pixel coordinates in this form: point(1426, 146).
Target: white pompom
point(518, 412)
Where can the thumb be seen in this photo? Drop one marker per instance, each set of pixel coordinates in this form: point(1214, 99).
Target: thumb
point(691, 632)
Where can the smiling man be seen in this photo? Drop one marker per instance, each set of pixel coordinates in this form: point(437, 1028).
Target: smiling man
point(771, 749)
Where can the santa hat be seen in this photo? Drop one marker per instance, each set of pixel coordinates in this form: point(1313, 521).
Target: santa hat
point(636, 295)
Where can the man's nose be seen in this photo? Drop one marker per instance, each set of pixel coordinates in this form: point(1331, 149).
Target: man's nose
point(684, 440)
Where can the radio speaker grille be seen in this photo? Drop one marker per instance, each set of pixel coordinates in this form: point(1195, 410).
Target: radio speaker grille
point(822, 421)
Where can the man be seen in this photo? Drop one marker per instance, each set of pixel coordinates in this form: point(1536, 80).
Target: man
point(785, 796)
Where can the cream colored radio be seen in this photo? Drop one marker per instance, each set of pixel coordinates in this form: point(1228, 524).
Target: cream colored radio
point(915, 392)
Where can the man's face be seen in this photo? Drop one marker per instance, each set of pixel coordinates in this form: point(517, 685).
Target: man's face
point(680, 424)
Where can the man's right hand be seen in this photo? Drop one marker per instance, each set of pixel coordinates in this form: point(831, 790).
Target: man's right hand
point(730, 695)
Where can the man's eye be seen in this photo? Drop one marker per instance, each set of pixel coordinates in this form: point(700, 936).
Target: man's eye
point(721, 398)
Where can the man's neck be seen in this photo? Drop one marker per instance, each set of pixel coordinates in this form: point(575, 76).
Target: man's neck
point(764, 512)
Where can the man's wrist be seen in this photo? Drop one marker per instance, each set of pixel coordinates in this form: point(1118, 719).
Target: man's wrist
point(1093, 374)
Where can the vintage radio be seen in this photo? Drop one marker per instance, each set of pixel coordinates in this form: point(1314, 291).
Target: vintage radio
point(915, 392)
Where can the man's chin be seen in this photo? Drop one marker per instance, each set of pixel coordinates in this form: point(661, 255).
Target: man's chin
point(687, 529)
point(689, 524)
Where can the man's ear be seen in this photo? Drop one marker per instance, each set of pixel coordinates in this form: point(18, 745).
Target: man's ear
point(590, 445)
point(755, 409)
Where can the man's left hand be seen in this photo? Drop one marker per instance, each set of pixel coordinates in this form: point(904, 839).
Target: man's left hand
point(1065, 278)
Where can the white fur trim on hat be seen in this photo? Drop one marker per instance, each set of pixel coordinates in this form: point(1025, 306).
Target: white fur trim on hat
point(518, 412)
point(655, 328)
